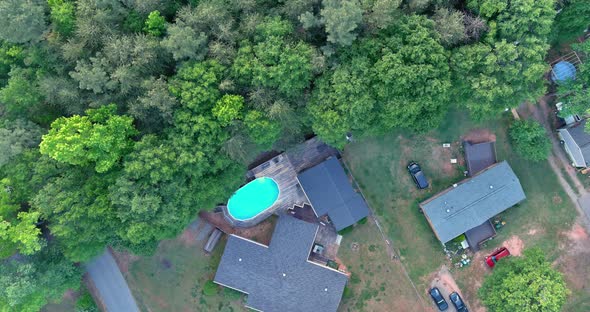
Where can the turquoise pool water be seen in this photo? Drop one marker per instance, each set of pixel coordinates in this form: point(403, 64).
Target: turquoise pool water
point(253, 198)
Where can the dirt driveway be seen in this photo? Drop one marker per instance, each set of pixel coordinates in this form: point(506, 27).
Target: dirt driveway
point(446, 284)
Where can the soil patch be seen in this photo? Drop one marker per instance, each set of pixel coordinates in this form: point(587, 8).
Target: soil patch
point(479, 135)
point(515, 245)
point(575, 260)
point(124, 259)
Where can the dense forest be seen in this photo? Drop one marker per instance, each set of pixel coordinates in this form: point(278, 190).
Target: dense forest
point(121, 119)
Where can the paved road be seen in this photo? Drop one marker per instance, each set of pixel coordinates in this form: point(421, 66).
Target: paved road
point(111, 284)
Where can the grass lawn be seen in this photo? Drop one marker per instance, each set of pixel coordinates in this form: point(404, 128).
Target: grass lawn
point(174, 278)
point(378, 165)
point(377, 282)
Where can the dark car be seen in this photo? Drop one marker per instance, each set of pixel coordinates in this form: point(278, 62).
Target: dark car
point(440, 301)
point(458, 302)
point(497, 255)
point(417, 175)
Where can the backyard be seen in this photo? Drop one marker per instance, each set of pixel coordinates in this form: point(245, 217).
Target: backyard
point(546, 219)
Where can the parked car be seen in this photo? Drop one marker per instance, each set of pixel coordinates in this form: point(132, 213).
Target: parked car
point(458, 302)
point(438, 298)
point(418, 176)
point(497, 255)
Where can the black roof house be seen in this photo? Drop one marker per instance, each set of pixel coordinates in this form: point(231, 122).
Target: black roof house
point(279, 277)
point(330, 193)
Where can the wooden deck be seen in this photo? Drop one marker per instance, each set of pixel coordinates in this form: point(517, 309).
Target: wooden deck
point(283, 169)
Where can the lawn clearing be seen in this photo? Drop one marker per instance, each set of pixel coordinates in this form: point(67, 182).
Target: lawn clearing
point(377, 282)
point(378, 165)
point(174, 278)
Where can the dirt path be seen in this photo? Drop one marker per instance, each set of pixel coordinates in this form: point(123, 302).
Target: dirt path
point(558, 159)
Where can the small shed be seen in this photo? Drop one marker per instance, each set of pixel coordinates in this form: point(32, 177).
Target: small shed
point(563, 71)
point(479, 156)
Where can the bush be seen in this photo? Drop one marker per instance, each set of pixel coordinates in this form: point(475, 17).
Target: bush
point(232, 295)
point(210, 288)
point(363, 220)
point(530, 140)
point(85, 303)
point(347, 293)
point(345, 231)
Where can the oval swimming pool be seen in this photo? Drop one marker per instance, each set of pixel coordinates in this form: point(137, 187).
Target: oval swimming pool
point(253, 198)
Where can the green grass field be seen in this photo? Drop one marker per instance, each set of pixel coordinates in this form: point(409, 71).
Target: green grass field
point(173, 279)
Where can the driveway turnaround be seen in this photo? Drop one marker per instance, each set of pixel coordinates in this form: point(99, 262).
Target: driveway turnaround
point(111, 284)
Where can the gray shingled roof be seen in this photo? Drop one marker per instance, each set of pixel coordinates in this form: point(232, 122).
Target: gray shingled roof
point(479, 156)
point(473, 201)
point(279, 277)
point(578, 142)
point(329, 191)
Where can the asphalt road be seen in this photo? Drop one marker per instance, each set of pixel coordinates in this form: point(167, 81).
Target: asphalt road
point(111, 284)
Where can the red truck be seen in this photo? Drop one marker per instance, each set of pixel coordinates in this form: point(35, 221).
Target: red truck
point(497, 255)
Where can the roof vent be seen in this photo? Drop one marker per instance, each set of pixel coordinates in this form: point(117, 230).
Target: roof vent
point(448, 210)
point(491, 186)
point(240, 259)
point(325, 289)
point(284, 274)
point(455, 185)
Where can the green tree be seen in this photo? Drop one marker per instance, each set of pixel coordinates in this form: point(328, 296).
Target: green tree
point(21, 97)
point(342, 18)
point(572, 21)
point(273, 61)
point(262, 130)
point(528, 283)
point(450, 25)
point(63, 16)
point(100, 138)
point(22, 21)
point(79, 211)
point(530, 140)
point(17, 136)
point(155, 24)
point(228, 108)
point(508, 67)
point(31, 282)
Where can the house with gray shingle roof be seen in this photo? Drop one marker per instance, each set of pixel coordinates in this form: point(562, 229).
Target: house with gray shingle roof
point(330, 193)
point(280, 276)
point(472, 202)
point(576, 143)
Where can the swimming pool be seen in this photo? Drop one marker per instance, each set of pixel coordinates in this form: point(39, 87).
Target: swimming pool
point(253, 198)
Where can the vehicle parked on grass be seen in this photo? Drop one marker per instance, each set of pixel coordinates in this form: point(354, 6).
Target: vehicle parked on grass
point(438, 298)
point(418, 176)
point(497, 255)
point(458, 302)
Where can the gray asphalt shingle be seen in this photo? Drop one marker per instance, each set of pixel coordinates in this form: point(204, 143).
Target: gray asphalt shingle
point(330, 192)
point(473, 201)
point(279, 277)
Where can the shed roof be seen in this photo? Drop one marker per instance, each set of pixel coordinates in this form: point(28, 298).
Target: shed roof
point(280, 277)
point(578, 141)
point(479, 156)
point(473, 201)
point(330, 192)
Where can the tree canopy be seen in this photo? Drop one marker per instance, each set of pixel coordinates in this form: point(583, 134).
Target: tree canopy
point(528, 283)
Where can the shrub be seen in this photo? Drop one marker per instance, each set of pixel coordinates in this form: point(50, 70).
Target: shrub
point(85, 303)
point(530, 140)
point(210, 288)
